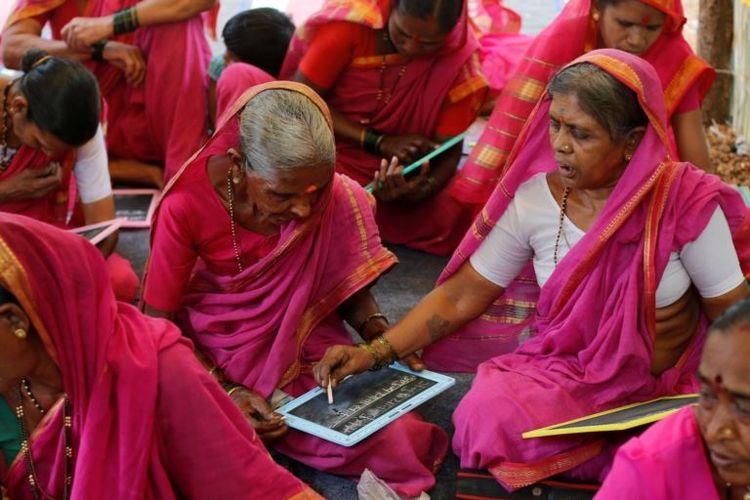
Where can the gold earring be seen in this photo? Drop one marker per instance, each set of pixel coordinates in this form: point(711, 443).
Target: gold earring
point(236, 180)
point(596, 16)
point(20, 333)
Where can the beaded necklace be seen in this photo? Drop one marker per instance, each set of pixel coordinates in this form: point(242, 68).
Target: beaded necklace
point(233, 222)
point(31, 476)
point(383, 98)
point(563, 210)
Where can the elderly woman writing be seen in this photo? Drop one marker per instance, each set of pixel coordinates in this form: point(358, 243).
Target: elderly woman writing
point(100, 401)
point(50, 132)
point(285, 250)
point(651, 29)
point(703, 452)
point(400, 76)
point(617, 234)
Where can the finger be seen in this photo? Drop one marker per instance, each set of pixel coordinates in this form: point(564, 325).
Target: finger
point(424, 170)
point(414, 362)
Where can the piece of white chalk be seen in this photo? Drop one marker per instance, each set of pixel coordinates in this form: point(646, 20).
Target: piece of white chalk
point(330, 391)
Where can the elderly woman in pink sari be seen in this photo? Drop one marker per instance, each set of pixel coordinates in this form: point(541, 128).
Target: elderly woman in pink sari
point(285, 250)
point(108, 403)
point(400, 76)
point(150, 58)
point(617, 235)
point(704, 452)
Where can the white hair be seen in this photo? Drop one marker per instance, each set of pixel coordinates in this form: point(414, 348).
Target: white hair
point(283, 130)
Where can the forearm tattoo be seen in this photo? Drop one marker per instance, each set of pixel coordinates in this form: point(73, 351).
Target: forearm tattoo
point(437, 327)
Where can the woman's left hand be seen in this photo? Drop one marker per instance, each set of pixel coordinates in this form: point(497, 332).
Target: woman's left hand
point(82, 32)
point(391, 185)
point(269, 425)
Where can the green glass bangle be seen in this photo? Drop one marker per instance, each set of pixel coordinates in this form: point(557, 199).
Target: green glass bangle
point(97, 50)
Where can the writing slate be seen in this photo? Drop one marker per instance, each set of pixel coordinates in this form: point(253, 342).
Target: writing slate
point(363, 403)
point(135, 206)
point(618, 419)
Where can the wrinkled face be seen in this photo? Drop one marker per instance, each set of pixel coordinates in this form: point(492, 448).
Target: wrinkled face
point(630, 26)
point(723, 411)
point(287, 195)
point(414, 37)
point(586, 155)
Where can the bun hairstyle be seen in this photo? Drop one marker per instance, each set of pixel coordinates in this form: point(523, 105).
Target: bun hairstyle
point(63, 97)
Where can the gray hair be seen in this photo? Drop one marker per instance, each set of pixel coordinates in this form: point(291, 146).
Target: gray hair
point(284, 130)
point(613, 105)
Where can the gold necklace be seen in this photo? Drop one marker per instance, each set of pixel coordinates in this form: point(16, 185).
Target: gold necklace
point(383, 96)
point(5, 158)
point(31, 476)
point(563, 209)
point(232, 222)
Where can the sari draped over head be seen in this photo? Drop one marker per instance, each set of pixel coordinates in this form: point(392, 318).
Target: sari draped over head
point(573, 33)
point(667, 461)
point(111, 358)
point(257, 325)
point(57, 206)
point(414, 105)
point(594, 325)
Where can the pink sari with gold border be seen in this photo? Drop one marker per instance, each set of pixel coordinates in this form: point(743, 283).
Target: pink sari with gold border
point(571, 34)
point(148, 422)
point(422, 84)
point(594, 326)
point(266, 326)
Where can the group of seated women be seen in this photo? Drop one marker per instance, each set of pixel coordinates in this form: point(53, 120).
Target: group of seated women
point(583, 284)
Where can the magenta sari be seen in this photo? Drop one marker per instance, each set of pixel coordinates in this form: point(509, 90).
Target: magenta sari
point(594, 324)
point(667, 461)
point(266, 326)
point(437, 224)
point(164, 120)
point(131, 381)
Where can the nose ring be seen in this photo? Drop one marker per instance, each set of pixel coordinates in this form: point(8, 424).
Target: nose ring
point(726, 433)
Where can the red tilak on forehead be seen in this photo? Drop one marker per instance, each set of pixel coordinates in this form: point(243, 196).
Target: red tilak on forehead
point(646, 20)
point(311, 189)
point(718, 380)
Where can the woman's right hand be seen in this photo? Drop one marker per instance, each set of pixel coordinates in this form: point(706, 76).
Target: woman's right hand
point(31, 183)
point(339, 362)
point(128, 58)
point(268, 424)
point(407, 148)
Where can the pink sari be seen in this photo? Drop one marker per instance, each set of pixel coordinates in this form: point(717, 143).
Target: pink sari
point(163, 120)
point(131, 382)
point(234, 81)
point(570, 35)
point(437, 224)
point(667, 461)
point(266, 326)
point(594, 324)
point(58, 207)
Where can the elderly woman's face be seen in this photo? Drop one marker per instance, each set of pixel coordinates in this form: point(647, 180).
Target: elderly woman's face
point(16, 354)
point(414, 37)
point(630, 26)
point(288, 195)
point(723, 411)
point(586, 155)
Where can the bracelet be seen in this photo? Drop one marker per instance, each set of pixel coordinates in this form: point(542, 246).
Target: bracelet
point(212, 370)
point(376, 358)
point(97, 50)
point(370, 318)
point(125, 20)
point(386, 343)
point(233, 389)
point(377, 143)
point(362, 134)
point(371, 141)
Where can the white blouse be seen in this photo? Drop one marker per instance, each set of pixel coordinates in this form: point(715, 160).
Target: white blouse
point(529, 227)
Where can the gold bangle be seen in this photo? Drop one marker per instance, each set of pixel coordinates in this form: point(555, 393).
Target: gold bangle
point(371, 317)
point(384, 342)
point(212, 370)
point(362, 134)
point(375, 355)
point(233, 389)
